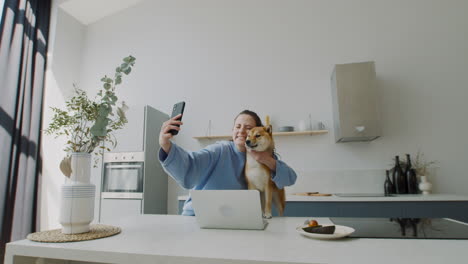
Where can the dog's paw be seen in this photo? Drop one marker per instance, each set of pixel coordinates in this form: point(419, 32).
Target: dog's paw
point(268, 216)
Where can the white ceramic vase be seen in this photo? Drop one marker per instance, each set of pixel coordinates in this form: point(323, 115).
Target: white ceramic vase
point(302, 126)
point(425, 186)
point(77, 203)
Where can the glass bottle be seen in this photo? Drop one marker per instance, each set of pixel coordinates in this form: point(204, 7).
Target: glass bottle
point(389, 188)
point(400, 178)
point(410, 174)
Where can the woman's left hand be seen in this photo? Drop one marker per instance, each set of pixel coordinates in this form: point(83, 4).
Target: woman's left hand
point(264, 158)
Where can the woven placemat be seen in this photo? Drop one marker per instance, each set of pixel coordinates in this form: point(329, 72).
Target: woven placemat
point(56, 236)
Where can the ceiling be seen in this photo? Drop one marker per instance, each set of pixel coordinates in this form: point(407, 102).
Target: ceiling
point(90, 11)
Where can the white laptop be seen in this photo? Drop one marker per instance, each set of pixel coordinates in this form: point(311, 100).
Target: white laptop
point(228, 209)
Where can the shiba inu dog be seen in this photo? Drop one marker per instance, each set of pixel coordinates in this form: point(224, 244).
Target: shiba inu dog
point(258, 175)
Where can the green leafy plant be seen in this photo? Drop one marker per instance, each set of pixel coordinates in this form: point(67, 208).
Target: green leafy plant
point(87, 123)
point(421, 165)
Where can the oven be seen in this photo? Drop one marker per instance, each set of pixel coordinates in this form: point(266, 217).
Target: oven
point(123, 175)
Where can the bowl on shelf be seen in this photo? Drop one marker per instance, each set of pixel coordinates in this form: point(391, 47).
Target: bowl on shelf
point(286, 129)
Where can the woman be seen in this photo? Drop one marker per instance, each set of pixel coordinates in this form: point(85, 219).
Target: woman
point(218, 166)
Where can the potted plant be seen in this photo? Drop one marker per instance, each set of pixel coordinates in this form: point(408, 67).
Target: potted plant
point(88, 125)
point(422, 167)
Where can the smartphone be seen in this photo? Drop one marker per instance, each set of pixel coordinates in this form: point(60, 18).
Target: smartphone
point(177, 109)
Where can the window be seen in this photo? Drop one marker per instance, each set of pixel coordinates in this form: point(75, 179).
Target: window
point(2, 2)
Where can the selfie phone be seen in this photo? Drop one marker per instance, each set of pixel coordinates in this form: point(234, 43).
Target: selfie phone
point(177, 109)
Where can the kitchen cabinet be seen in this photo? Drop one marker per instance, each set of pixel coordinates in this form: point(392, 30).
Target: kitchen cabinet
point(113, 209)
point(404, 209)
point(404, 206)
point(132, 183)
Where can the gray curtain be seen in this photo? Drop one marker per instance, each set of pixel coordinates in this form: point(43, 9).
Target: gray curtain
point(23, 52)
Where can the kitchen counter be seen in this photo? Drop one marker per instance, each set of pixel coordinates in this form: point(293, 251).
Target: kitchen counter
point(397, 198)
point(178, 239)
point(404, 206)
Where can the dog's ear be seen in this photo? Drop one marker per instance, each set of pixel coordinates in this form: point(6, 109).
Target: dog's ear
point(269, 129)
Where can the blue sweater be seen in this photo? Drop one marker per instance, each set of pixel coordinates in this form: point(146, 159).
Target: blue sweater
point(217, 167)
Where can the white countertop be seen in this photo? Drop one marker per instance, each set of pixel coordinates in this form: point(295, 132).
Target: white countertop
point(398, 198)
point(178, 239)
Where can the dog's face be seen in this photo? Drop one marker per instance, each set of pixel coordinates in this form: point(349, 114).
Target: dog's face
point(259, 138)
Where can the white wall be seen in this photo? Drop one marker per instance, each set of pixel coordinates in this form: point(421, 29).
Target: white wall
point(275, 57)
point(63, 69)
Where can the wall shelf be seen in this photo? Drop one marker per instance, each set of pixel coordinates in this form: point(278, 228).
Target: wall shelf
point(275, 134)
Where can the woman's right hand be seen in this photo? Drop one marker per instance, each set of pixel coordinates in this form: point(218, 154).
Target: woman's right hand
point(165, 135)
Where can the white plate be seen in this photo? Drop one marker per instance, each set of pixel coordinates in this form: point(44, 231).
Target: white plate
point(340, 231)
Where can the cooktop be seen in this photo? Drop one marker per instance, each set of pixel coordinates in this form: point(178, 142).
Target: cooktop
point(410, 228)
point(362, 194)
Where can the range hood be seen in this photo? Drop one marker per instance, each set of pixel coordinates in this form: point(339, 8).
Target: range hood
point(354, 99)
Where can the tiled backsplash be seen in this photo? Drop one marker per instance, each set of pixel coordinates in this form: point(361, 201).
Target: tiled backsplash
point(339, 181)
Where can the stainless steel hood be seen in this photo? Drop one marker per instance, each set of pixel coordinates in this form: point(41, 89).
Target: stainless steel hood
point(354, 98)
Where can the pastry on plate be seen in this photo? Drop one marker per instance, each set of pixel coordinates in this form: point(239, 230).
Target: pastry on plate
point(320, 229)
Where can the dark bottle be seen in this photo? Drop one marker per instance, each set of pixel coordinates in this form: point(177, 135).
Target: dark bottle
point(399, 177)
point(410, 174)
point(389, 188)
